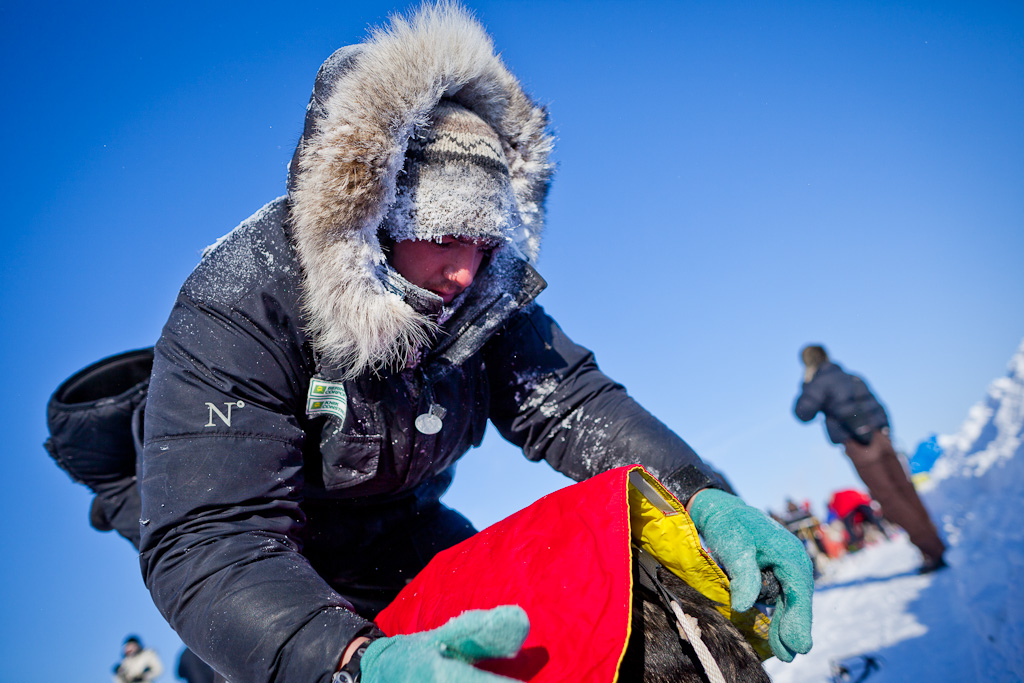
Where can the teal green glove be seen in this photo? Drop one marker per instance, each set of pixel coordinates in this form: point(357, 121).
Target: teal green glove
point(744, 540)
point(446, 654)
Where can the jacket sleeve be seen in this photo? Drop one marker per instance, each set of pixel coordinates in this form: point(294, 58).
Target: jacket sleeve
point(811, 399)
point(549, 397)
point(221, 490)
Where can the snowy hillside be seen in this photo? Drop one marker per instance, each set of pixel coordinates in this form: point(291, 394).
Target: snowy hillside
point(992, 431)
point(965, 623)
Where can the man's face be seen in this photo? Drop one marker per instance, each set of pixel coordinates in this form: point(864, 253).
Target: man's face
point(130, 648)
point(445, 268)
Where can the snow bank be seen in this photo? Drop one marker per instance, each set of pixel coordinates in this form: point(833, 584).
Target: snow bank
point(976, 489)
point(992, 431)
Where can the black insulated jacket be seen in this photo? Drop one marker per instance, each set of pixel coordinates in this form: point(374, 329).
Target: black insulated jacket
point(243, 482)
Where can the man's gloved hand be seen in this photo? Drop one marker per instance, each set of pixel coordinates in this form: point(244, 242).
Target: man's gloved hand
point(446, 654)
point(744, 540)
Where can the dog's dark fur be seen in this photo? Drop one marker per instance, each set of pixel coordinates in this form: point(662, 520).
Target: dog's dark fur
point(655, 652)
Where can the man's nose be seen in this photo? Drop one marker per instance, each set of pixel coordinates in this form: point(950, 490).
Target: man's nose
point(460, 275)
point(460, 270)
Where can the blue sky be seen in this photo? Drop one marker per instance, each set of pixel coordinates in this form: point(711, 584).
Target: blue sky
point(735, 179)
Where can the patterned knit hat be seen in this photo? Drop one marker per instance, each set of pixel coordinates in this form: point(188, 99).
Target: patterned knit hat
point(455, 182)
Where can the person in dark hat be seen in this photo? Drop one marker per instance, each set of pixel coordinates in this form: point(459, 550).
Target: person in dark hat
point(856, 420)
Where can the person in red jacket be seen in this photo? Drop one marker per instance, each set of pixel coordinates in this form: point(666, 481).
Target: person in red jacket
point(853, 508)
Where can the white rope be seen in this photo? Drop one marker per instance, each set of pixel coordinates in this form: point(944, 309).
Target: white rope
point(690, 630)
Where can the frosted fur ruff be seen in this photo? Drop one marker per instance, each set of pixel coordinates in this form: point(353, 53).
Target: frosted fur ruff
point(370, 99)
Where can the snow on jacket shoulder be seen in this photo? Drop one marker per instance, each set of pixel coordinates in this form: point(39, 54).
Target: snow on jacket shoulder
point(840, 396)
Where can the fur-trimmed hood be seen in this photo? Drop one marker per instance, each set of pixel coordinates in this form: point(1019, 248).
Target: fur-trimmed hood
point(368, 101)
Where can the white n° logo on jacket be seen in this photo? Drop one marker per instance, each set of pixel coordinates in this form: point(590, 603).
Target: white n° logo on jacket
point(226, 419)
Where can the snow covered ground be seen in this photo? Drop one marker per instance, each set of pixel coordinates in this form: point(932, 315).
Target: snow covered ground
point(964, 623)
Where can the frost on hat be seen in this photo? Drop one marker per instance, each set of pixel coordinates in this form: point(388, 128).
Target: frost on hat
point(455, 182)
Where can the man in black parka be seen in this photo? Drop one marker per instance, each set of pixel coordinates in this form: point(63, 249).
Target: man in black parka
point(328, 362)
point(856, 420)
